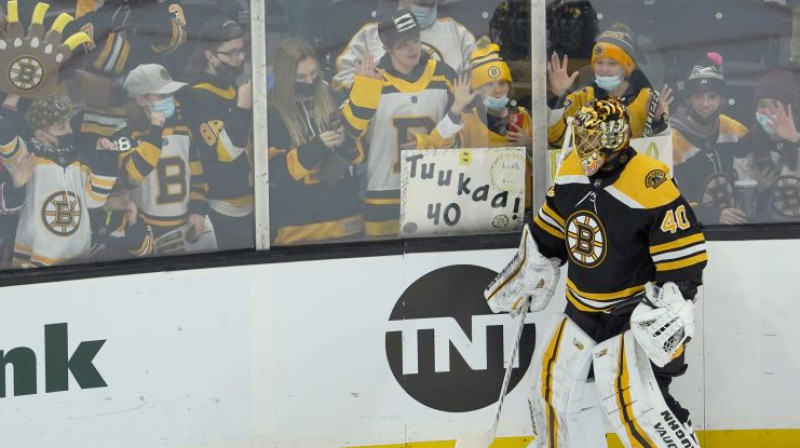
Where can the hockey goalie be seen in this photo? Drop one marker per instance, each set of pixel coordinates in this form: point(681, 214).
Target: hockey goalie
point(635, 255)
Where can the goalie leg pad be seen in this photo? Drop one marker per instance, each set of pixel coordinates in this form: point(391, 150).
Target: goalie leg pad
point(561, 407)
point(632, 399)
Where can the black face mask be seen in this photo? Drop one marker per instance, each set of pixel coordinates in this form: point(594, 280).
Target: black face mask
point(306, 88)
point(229, 72)
point(66, 141)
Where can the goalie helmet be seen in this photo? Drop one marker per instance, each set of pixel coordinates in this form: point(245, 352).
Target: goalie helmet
point(601, 130)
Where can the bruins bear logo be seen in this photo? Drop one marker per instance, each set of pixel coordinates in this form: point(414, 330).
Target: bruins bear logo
point(655, 178)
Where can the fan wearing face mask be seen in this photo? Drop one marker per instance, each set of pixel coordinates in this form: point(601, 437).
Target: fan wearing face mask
point(59, 180)
point(219, 115)
point(443, 38)
point(707, 145)
point(157, 155)
point(614, 69)
point(491, 120)
point(774, 145)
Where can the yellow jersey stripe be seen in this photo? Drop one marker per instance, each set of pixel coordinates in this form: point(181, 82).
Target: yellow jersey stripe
point(583, 306)
point(296, 169)
point(548, 228)
point(623, 294)
point(379, 201)
point(550, 358)
point(682, 242)
point(680, 264)
point(228, 94)
point(553, 214)
point(382, 228)
point(358, 123)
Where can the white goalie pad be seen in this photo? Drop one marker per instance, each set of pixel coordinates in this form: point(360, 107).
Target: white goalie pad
point(529, 274)
point(660, 331)
point(564, 407)
point(631, 398)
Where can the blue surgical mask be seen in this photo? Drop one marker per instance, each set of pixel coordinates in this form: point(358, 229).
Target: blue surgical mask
point(495, 103)
point(165, 106)
point(426, 15)
point(608, 83)
point(766, 123)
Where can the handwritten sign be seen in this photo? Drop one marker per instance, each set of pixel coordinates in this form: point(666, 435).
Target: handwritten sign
point(462, 191)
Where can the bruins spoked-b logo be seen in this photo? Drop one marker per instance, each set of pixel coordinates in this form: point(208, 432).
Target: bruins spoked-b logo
point(61, 213)
point(586, 239)
point(786, 196)
point(26, 73)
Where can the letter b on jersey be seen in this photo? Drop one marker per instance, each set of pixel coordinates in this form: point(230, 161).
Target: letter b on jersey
point(446, 348)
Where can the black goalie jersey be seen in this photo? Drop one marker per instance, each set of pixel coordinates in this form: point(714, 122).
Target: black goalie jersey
point(618, 231)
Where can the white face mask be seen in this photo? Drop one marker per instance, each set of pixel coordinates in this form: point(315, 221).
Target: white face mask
point(426, 15)
point(495, 103)
point(766, 123)
point(608, 83)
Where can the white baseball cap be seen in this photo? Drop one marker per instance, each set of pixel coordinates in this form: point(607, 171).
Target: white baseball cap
point(150, 78)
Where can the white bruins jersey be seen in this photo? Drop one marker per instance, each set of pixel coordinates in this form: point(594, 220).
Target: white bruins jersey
point(54, 226)
point(446, 40)
point(163, 195)
point(393, 111)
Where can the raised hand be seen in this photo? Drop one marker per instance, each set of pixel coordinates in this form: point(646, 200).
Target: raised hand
point(783, 123)
point(462, 93)
point(560, 80)
point(664, 100)
point(367, 68)
point(244, 97)
point(22, 171)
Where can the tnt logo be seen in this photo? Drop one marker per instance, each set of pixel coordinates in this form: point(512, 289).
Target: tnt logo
point(446, 348)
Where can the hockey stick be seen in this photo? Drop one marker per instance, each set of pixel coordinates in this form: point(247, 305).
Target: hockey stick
point(485, 439)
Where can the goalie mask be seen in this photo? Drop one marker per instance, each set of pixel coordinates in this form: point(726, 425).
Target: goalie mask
point(601, 130)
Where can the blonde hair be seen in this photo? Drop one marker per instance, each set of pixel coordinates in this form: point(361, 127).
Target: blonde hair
point(283, 98)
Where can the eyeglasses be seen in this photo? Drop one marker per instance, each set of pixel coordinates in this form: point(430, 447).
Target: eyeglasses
point(239, 52)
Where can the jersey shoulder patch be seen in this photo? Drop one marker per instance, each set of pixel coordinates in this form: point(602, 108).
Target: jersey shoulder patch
point(645, 183)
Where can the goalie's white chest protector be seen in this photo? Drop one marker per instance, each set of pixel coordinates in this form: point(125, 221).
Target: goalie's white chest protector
point(54, 224)
point(405, 109)
point(163, 195)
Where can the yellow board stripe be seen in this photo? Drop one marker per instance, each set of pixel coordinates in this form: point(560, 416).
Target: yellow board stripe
point(680, 264)
point(551, 356)
point(548, 228)
point(691, 239)
point(740, 438)
point(636, 436)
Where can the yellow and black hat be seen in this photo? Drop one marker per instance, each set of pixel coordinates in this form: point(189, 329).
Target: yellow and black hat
point(487, 64)
point(616, 44)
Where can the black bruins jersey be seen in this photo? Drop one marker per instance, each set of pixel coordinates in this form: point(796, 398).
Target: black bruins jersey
point(619, 230)
point(705, 170)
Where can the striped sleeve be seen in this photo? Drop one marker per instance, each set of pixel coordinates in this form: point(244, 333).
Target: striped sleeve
point(360, 107)
point(141, 160)
point(548, 230)
point(98, 187)
point(677, 245)
point(198, 184)
point(557, 119)
point(13, 151)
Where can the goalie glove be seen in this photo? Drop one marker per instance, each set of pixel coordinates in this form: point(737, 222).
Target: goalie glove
point(663, 322)
point(528, 275)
